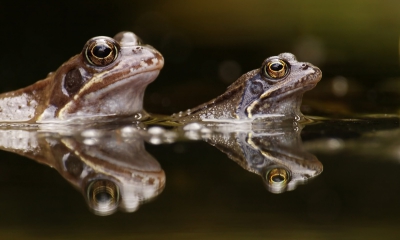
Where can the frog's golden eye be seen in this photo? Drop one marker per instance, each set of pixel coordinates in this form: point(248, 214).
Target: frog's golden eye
point(276, 69)
point(101, 51)
point(277, 177)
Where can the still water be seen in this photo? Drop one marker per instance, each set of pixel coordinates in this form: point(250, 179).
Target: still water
point(203, 180)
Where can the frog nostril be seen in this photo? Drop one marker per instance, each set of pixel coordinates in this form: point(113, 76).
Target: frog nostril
point(304, 66)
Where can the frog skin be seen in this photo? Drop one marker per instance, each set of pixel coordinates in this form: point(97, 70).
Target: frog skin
point(109, 166)
point(276, 154)
point(275, 89)
point(108, 78)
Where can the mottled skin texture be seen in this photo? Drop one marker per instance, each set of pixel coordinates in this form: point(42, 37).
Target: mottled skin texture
point(255, 94)
point(79, 89)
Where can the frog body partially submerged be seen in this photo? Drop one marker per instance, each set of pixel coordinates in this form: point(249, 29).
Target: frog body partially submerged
point(108, 78)
point(274, 90)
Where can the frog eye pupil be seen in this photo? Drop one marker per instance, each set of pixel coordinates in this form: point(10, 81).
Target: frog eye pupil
point(277, 176)
point(103, 196)
point(101, 51)
point(276, 67)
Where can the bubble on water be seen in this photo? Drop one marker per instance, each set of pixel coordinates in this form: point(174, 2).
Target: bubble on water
point(155, 140)
point(92, 133)
point(205, 130)
point(156, 130)
point(192, 135)
point(160, 135)
point(193, 127)
point(90, 141)
point(128, 131)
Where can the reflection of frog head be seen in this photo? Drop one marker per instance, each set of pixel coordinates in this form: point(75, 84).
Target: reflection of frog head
point(282, 165)
point(275, 154)
point(115, 174)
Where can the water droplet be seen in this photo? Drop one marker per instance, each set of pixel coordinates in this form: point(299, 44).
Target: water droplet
point(90, 141)
point(155, 140)
point(138, 116)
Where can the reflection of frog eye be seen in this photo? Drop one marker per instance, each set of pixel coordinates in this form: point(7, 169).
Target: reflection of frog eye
point(103, 196)
point(277, 177)
point(101, 51)
point(276, 69)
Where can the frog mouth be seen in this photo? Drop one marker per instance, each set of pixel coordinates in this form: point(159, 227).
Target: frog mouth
point(276, 95)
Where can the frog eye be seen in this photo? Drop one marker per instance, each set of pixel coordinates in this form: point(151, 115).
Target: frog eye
point(103, 196)
point(101, 51)
point(276, 69)
point(277, 177)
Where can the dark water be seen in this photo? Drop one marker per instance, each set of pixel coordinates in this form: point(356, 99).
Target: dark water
point(192, 189)
point(206, 194)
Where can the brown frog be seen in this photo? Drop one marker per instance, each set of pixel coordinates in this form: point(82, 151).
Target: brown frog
point(108, 78)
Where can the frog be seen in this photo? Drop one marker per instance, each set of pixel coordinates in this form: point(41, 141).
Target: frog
point(274, 90)
point(107, 78)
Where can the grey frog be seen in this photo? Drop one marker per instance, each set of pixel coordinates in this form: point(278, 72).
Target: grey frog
point(275, 89)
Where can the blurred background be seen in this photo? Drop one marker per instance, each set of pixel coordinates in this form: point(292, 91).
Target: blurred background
point(207, 45)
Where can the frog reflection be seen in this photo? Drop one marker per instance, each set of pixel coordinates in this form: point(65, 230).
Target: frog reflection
point(275, 154)
point(111, 170)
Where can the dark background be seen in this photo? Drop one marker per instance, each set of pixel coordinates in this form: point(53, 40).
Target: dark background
point(207, 45)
